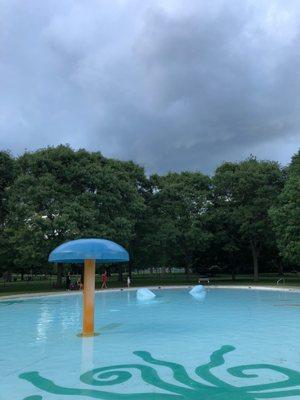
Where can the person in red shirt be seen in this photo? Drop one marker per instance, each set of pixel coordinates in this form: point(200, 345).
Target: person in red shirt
point(104, 278)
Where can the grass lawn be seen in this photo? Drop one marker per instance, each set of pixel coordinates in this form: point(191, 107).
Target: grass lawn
point(291, 280)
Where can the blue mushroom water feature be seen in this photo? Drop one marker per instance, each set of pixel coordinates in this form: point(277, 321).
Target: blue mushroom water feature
point(198, 292)
point(89, 252)
point(144, 294)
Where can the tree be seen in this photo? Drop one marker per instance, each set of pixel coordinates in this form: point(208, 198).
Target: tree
point(175, 219)
point(61, 195)
point(227, 246)
point(285, 215)
point(246, 191)
point(7, 176)
point(179, 219)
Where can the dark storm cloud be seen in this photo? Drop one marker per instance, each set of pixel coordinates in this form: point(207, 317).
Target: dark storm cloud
point(172, 85)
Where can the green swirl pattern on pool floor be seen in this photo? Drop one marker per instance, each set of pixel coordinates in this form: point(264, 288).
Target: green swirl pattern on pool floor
point(188, 388)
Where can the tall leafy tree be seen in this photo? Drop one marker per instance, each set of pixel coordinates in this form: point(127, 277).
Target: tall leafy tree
point(286, 214)
point(61, 194)
point(246, 191)
point(176, 212)
point(7, 175)
point(227, 245)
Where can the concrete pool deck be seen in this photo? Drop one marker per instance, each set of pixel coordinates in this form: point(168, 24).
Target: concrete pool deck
point(154, 287)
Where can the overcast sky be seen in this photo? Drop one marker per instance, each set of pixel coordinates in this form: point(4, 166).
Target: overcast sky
point(171, 84)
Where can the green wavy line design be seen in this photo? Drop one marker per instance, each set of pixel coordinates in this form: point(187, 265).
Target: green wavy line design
point(214, 388)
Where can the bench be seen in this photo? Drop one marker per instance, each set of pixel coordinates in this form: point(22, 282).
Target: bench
point(203, 279)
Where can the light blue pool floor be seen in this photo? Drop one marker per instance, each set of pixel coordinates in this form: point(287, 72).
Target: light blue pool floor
point(231, 345)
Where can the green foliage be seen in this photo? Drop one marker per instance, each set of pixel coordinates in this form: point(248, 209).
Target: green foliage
point(175, 218)
point(7, 176)
point(286, 214)
point(180, 219)
point(243, 193)
point(61, 195)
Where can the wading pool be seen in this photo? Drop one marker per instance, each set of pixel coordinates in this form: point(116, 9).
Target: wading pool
point(226, 345)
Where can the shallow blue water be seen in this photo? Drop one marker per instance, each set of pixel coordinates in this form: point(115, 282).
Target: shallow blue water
point(258, 327)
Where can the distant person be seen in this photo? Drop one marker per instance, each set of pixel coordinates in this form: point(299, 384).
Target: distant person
point(104, 280)
point(128, 281)
point(5, 277)
point(68, 281)
point(79, 284)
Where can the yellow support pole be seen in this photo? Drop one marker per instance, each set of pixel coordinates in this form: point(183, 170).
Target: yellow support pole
point(88, 298)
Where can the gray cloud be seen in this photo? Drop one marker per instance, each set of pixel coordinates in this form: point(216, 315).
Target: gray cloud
point(172, 85)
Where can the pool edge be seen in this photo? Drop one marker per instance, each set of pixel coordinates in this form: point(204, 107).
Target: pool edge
point(73, 293)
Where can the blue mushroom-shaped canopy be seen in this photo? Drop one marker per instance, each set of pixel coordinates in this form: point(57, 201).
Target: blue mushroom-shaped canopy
point(100, 250)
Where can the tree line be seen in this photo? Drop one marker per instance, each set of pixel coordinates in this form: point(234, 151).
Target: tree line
point(246, 217)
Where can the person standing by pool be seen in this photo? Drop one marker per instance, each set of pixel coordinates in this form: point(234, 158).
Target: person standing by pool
point(104, 280)
point(79, 285)
point(128, 281)
point(68, 281)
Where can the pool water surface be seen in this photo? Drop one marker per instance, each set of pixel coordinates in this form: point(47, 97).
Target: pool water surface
point(227, 345)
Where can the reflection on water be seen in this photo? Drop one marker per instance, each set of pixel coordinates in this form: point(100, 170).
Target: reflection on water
point(87, 353)
point(43, 322)
point(56, 316)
